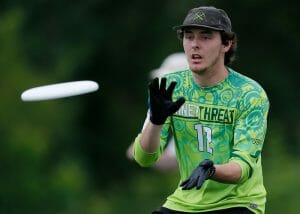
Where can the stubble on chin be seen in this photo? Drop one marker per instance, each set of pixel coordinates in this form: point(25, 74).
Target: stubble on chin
point(198, 71)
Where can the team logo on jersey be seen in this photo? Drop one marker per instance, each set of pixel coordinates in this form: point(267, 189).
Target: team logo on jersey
point(253, 206)
point(207, 113)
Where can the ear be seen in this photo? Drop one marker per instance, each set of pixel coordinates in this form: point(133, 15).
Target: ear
point(227, 46)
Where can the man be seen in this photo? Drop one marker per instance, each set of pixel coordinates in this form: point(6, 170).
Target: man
point(218, 118)
point(167, 161)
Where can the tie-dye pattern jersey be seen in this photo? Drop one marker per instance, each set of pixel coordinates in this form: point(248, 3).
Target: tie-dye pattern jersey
point(225, 122)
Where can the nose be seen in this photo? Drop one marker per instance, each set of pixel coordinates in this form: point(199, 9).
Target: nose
point(195, 44)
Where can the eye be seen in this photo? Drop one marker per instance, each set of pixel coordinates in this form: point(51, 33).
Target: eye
point(188, 36)
point(206, 37)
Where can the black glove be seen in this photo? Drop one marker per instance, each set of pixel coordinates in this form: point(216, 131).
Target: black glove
point(204, 171)
point(161, 104)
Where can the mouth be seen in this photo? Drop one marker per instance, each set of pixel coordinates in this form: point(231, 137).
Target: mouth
point(196, 58)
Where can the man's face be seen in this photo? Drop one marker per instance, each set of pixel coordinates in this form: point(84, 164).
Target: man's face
point(203, 48)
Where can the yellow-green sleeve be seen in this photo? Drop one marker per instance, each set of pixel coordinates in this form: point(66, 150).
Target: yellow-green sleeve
point(249, 134)
point(246, 169)
point(142, 157)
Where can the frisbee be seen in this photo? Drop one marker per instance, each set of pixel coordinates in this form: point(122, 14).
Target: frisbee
point(59, 90)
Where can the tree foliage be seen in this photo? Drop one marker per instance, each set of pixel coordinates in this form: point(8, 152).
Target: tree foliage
point(68, 155)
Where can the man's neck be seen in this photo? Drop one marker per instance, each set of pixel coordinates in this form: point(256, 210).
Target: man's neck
point(210, 76)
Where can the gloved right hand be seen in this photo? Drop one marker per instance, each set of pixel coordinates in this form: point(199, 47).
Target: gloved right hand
point(204, 171)
point(161, 104)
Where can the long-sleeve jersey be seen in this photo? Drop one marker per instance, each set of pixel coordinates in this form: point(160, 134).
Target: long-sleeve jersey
point(225, 123)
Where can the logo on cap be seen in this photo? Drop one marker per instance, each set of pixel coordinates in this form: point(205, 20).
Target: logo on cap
point(200, 15)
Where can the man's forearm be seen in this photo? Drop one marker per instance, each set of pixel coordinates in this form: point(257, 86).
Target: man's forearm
point(150, 137)
point(227, 173)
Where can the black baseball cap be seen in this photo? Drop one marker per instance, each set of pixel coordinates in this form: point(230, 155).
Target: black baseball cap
point(207, 17)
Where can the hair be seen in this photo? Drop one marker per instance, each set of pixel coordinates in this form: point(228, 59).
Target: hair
point(230, 55)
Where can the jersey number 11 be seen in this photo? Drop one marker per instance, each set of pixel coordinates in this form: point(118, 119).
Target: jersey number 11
point(204, 138)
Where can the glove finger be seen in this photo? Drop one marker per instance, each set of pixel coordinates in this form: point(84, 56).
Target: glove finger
point(200, 182)
point(184, 182)
point(177, 105)
point(163, 82)
point(203, 176)
point(153, 86)
point(191, 184)
point(170, 89)
point(184, 187)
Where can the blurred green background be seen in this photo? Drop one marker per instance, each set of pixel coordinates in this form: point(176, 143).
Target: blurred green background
point(67, 156)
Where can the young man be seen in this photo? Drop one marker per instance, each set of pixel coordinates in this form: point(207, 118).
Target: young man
point(218, 118)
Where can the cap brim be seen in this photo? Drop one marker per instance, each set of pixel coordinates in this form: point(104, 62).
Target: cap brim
point(196, 26)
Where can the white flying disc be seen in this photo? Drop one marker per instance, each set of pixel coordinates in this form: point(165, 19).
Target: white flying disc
point(59, 90)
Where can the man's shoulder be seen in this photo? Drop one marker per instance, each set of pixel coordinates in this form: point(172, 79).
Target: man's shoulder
point(245, 83)
point(250, 91)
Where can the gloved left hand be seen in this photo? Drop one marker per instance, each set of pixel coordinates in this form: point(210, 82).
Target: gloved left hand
point(204, 171)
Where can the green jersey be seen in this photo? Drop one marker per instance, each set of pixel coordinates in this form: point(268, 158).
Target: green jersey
point(224, 123)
